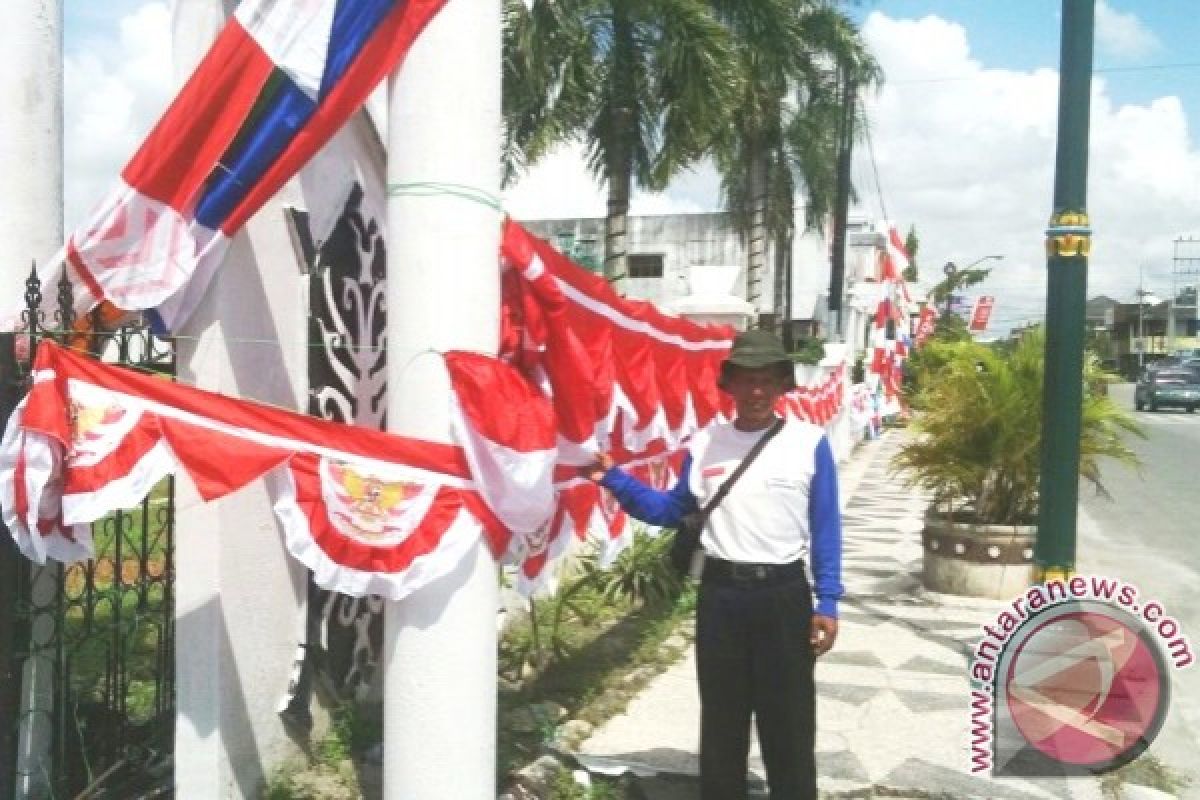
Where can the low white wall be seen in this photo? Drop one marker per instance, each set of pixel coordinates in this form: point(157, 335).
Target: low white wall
point(844, 431)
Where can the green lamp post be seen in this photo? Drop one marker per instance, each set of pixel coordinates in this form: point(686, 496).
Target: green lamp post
point(1068, 243)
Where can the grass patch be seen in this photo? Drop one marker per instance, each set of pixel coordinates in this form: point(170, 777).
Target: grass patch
point(608, 651)
point(565, 788)
point(581, 654)
point(329, 773)
point(1144, 771)
point(117, 613)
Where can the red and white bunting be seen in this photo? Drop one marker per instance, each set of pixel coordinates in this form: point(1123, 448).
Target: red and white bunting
point(926, 324)
point(506, 429)
point(649, 375)
point(819, 403)
point(622, 377)
point(888, 352)
point(581, 369)
point(367, 512)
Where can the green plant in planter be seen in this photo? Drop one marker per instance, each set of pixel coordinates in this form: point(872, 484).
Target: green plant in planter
point(927, 361)
point(977, 443)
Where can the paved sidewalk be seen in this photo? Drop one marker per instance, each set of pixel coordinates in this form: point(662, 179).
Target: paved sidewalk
point(892, 695)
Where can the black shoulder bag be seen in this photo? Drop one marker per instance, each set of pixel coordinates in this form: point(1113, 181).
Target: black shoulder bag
point(687, 534)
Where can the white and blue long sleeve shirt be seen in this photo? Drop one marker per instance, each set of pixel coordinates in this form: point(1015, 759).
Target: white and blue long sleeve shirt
point(783, 508)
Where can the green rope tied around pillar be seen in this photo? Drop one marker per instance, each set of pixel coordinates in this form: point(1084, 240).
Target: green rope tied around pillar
point(437, 189)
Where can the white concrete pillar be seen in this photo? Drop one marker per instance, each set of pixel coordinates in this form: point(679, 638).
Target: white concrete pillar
point(237, 594)
point(31, 139)
point(31, 229)
point(443, 293)
point(198, 624)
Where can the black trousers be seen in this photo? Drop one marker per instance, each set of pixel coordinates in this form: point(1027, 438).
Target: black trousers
point(754, 656)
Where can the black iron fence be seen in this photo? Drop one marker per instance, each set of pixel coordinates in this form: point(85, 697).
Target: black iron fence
point(87, 662)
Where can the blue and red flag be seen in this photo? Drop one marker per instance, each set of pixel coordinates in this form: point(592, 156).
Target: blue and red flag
point(277, 84)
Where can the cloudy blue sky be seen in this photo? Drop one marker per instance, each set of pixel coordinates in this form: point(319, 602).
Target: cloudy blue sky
point(963, 132)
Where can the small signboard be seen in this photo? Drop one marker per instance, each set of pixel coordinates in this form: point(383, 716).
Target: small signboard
point(981, 313)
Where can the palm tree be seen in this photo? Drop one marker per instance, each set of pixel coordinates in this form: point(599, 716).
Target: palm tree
point(786, 129)
point(644, 83)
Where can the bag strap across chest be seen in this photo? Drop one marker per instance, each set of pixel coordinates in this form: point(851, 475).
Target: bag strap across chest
point(741, 467)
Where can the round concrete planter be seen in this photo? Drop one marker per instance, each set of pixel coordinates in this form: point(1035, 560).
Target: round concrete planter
point(977, 560)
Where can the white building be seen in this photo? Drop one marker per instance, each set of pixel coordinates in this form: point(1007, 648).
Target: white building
point(670, 256)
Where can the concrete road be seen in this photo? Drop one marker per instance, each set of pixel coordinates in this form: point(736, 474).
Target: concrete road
point(1149, 535)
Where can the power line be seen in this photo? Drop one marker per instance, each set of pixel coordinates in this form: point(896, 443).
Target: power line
point(875, 170)
point(1105, 70)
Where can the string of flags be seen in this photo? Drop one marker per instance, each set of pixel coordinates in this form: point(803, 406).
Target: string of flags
point(580, 369)
point(891, 340)
point(367, 512)
point(622, 377)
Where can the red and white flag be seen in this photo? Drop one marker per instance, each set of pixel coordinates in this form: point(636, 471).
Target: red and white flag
point(622, 377)
point(927, 323)
point(367, 512)
point(981, 312)
point(278, 82)
point(631, 348)
point(506, 429)
point(553, 351)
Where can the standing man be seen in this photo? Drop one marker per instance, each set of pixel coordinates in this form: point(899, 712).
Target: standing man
point(757, 631)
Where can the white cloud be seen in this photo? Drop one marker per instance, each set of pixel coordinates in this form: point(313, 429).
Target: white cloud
point(966, 154)
point(970, 163)
point(114, 92)
point(560, 186)
point(967, 160)
point(1122, 36)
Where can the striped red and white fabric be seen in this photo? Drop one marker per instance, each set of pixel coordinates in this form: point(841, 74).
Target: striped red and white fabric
point(281, 78)
point(819, 403)
point(552, 350)
point(367, 512)
point(633, 352)
point(623, 377)
point(506, 430)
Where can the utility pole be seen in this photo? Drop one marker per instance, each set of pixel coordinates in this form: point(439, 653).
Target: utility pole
point(1141, 296)
point(841, 206)
point(1068, 244)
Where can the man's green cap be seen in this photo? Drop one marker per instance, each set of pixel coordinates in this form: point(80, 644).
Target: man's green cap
point(755, 349)
point(758, 349)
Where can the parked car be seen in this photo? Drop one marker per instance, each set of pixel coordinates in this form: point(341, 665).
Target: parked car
point(1168, 388)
